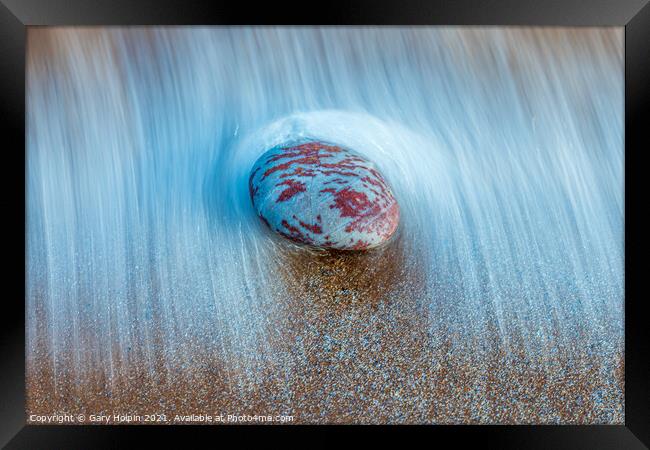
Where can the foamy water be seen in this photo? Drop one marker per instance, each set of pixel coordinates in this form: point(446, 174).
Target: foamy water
point(504, 148)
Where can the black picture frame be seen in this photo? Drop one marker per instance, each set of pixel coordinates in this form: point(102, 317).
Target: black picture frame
point(16, 15)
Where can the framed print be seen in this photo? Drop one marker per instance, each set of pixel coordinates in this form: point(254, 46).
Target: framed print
point(378, 215)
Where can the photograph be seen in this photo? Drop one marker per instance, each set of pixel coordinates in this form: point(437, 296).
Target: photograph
point(310, 225)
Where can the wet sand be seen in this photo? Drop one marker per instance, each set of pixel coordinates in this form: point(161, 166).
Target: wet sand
point(349, 345)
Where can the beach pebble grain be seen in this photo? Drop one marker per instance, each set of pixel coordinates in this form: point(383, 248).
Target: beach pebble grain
point(323, 195)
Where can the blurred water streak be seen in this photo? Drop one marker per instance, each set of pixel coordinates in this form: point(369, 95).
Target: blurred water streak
point(504, 147)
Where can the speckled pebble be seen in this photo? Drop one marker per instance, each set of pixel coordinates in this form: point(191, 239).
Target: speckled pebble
point(323, 195)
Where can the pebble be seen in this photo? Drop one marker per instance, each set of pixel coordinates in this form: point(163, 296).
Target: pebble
point(323, 195)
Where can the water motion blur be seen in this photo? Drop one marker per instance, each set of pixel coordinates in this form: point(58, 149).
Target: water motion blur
point(152, 285)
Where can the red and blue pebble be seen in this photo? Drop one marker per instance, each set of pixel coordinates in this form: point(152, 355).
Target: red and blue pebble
point(323, 195)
